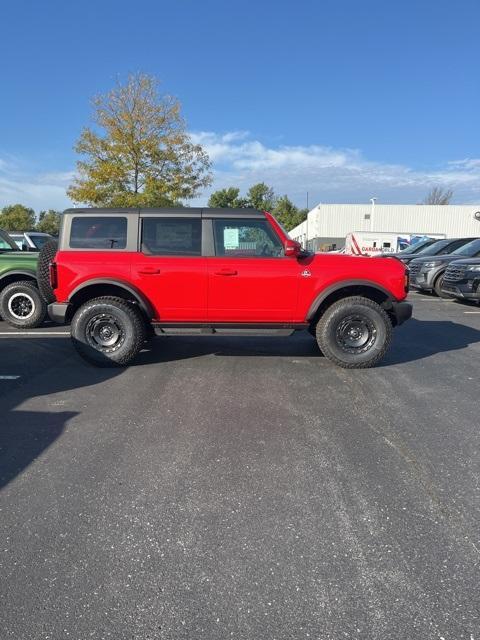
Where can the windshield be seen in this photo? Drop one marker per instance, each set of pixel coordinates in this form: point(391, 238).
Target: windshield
point(434, 248)
point(39, 241)
point(6, 243)
point(18, 238)
point(469, 249)
point(418, 246)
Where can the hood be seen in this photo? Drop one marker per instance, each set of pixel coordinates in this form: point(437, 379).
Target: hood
point(405, 259)
point(443, 259)
point(465, 261)
point(351, 262)
point(394, 255)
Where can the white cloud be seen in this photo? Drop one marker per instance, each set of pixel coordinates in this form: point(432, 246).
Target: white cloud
point(328, 174)
point(466, 163)
point(39, 191)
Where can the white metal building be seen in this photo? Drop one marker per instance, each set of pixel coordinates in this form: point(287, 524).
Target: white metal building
point(328, 224)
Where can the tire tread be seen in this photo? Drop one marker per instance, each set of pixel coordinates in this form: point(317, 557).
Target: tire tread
point(46, 255)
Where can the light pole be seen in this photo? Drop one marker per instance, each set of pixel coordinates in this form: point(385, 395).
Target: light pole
point(372, 212)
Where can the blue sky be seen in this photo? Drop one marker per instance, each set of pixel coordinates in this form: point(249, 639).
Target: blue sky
point(345, 99)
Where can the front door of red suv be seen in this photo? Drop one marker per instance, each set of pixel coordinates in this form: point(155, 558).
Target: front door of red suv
point(169, 268)
point(250, 280)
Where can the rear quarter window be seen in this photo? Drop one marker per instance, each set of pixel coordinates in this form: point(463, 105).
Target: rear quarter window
point(100, 233)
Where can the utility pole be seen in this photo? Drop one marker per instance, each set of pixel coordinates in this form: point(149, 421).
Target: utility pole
point(306, 227)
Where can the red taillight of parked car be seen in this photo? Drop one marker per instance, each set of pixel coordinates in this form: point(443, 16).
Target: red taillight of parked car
point(53, 275)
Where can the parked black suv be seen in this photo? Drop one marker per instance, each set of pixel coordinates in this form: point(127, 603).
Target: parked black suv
point(426, 271)
point(462, 279)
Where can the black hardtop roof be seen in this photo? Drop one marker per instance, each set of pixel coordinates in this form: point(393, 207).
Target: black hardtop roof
point(172, 211)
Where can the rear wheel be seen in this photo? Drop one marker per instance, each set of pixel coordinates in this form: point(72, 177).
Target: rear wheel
point(108, 331)
point(354, 333)
point(22, 306)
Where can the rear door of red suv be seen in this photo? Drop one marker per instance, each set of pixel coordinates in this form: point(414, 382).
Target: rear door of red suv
point(169, 267)
point(250, 280)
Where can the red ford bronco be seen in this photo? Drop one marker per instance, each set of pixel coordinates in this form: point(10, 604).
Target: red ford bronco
point(121, 275)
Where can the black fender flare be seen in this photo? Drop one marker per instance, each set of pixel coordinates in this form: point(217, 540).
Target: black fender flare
point(18, 272)
point(323, 295)
point(143, 303)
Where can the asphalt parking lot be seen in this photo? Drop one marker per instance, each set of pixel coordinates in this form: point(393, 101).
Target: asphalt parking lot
point(243, 488)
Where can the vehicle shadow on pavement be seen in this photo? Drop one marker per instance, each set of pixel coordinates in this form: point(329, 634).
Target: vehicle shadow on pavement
point(415, 340)
point(24, 436)
point(44, 367)
point(419, 339)
point(172, 348)
point(50, 367)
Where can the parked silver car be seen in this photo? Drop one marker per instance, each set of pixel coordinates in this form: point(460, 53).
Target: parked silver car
point(30, 240)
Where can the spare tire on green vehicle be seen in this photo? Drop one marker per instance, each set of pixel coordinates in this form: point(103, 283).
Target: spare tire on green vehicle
point(45, 257)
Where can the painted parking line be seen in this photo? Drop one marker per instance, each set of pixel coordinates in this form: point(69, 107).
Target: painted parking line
point(471, 312)
point(9, 377)
point(34, 333)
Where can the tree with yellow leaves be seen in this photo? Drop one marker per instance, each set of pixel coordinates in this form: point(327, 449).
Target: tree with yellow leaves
point(139, 154)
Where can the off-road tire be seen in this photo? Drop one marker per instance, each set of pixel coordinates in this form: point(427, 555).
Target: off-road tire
point(22, 305)
point(342, 321)
point(437, 287)
point(45, 257)
point(92, 323)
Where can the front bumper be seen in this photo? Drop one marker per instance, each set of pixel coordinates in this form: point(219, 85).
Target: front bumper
point(401, 311)
point(461, 291)
point(422, 281)
point(57, 312)
point(421, 286)
point(425, 278)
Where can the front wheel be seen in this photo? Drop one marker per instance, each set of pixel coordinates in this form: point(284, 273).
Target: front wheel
point(438, 287)
point(22, 306)
point(108, 331)
point(354, 333)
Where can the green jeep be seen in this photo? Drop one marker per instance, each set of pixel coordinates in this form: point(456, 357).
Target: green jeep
point(21, 303)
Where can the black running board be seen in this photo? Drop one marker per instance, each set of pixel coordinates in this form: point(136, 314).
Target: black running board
point(227, 328)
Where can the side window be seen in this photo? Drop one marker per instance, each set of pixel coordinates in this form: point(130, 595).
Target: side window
point(246, 238)
point(100, 233)
point(172, 236)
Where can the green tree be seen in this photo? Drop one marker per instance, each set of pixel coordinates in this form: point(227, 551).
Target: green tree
point(288, 214)
point(262, 197)
point(17, 217)
point(49, 222)
point(226, 198)
point(140, 153)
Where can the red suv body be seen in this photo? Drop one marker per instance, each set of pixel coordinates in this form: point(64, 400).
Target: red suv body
point(214, 270)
